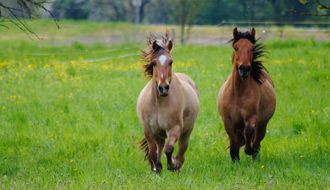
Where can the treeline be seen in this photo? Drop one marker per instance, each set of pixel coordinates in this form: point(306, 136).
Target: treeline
point(197, 11)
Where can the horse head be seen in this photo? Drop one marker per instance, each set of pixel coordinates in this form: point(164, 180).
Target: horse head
point(162, 66)
point(243, 43)
point(159, 61)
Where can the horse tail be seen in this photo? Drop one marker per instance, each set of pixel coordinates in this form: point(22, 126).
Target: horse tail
point(143, 145)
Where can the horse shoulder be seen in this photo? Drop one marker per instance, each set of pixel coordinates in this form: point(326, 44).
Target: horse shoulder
point(224, 96)
point(144, 103)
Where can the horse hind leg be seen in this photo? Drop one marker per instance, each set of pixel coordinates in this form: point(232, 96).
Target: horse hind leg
point(174, 133)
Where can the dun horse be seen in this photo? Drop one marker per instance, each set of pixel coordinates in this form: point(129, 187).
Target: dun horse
point(246, 100)
point(167, 106)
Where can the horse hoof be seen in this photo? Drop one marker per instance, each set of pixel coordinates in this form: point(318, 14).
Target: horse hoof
point(249, 151)
point(158, 170)
point(175, 167)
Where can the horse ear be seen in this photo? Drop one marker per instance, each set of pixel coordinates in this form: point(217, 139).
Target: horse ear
point(235, 33)
point(253, 33)
point(170, 45)
point(155, 46)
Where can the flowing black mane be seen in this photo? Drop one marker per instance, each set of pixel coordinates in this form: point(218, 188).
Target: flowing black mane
point(258, 71)
point(155, 47)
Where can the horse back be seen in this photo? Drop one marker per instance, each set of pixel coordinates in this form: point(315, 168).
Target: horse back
point(188, 80)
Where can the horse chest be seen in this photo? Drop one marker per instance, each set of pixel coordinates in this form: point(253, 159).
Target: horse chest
point(161, 120)
point(240, 108)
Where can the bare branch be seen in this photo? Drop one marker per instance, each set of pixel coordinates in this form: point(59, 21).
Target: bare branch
point(322, 6)
point(24, 9)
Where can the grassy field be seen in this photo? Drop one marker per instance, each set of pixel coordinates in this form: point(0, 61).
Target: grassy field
point(68, 119)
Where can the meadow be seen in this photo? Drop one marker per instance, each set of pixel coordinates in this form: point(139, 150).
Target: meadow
point(68, 118)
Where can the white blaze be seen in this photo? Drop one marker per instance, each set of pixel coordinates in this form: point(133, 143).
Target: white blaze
point(162, 75)
point(162, 59)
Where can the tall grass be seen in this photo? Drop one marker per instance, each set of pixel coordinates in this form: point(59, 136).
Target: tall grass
point(68, 122)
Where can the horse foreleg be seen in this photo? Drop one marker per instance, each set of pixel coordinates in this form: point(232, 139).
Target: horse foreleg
point(182, 148)
point(249, 132)
point(173, 136)
point(234, 149)
point(152, 155)
point(234, 143)
point(260, 134)
point(160, 146)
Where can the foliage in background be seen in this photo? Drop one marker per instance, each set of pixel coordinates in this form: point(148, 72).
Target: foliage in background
point(205, 12)
point(314, 8)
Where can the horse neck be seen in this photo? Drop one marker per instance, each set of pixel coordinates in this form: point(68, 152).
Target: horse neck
point(239, 84)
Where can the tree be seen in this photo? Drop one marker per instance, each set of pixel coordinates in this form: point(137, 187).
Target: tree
point(186, 11)
point(322, 8)
point(70, 9)
point(16, 12)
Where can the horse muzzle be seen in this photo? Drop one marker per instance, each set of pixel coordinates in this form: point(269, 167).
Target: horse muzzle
point(244, 71)
point(164, 90)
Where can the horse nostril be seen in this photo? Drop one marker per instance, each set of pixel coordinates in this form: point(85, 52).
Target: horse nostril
point(241, 68)
point(167, 87)
point(160, 89)
point(248, 68)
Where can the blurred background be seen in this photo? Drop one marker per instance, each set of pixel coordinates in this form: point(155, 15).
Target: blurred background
point(191, 21)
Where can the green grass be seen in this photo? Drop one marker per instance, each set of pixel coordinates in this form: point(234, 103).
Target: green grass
point(69, 123)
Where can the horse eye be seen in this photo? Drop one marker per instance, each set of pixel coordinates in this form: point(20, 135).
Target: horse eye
point(171, 63)
point(235, 48)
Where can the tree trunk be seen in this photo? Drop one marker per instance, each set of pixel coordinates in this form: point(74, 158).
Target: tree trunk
point(183, 20)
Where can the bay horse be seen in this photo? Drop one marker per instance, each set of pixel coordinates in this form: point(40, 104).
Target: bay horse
point(167, 106)
point(246, 100)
